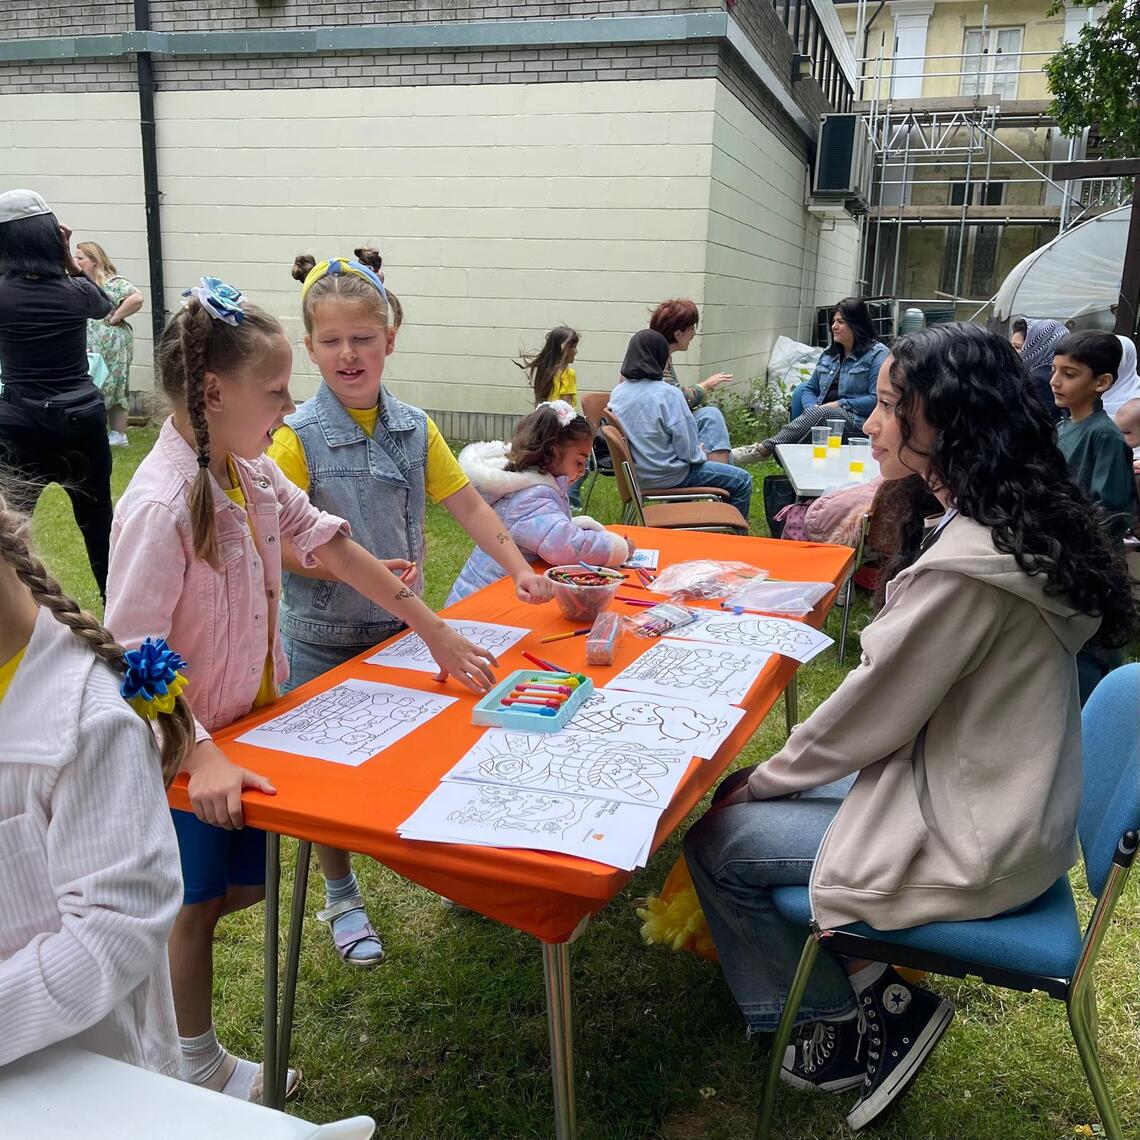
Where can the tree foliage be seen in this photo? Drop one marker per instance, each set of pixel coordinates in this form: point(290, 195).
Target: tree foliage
point(1096, 80)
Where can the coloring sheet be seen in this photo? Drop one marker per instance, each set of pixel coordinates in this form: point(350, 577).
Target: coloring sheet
point(410, 651)
point(348, 724)
point(643, 559)
point(693, 671)
point(489, 815)
point(772, 634)
point(576, 762)
point(698, 727)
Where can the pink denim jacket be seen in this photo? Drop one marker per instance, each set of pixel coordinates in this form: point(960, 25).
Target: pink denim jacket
point(216, 619)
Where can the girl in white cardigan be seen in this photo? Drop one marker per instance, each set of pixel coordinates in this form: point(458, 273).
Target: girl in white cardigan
point(89, 875)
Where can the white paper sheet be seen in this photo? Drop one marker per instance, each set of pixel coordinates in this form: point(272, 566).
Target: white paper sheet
point(793, 639)
point(608, 832)
point(577, 763)
point(349, 723)
point(693, 671)
point(645, 559)
point(410, 651)
point(656, 722)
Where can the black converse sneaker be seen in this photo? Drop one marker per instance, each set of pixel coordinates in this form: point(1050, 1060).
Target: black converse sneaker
point(827, 1056)
point(904, 1023)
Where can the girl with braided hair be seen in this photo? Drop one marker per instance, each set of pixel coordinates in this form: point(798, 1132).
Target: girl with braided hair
point(89, 882)
point(196, 555)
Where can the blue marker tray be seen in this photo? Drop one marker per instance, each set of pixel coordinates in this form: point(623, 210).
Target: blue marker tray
point(491, 710)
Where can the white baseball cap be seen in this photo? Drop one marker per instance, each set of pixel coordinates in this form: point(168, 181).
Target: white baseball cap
point(15, 204)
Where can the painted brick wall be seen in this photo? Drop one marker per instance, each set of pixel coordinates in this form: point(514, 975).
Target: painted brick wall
point(23, 19)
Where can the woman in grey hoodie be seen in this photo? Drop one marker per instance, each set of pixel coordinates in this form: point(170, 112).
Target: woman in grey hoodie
point(942, 779)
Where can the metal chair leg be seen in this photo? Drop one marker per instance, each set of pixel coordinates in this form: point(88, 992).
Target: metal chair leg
point(593, 479)
point(1081, 1008)
point(784, 1035)
point(792, 703)
point(556, 973)
point(292, 962)
point(273, 1087)
point(849, 591)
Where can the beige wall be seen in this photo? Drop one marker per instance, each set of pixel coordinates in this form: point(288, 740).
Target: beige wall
point(82, 153)
point(946, 35)
point(500, 210)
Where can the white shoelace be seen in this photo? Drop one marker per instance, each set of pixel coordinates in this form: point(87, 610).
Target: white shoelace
point(817, 1048)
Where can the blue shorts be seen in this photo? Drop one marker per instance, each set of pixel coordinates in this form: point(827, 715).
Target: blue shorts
point(214, 859)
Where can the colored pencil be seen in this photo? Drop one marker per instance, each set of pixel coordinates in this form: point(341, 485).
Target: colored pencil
point(639, 585)
point(605, 571)
point(638, 602)
point(563, 636)
point(647, 579)
point(548, 665)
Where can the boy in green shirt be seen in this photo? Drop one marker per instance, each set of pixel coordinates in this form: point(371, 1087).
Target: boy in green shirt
point(1099, 460)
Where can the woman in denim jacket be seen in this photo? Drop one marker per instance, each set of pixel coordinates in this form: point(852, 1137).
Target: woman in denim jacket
point(842, 385)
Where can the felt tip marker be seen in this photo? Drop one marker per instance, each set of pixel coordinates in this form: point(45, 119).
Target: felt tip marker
point(532, 710)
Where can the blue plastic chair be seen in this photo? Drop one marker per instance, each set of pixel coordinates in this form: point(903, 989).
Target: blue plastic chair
point(1040, 946)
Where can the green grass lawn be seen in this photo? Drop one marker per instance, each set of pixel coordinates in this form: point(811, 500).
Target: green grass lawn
point(448, 1037)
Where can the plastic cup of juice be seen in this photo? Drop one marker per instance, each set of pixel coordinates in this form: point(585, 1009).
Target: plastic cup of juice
point(859, 451)
point(819, 442)
point(835, 433)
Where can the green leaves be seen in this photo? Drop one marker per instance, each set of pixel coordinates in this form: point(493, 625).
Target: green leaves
point(1096, 80)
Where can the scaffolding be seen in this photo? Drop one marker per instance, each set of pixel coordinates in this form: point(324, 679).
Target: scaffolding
point(948, 163)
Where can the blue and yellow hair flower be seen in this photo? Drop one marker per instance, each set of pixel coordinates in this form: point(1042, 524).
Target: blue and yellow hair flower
point(153, 679)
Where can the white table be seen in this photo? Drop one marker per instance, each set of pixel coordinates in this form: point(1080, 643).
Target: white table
point(65, 1092)
point(810, 478)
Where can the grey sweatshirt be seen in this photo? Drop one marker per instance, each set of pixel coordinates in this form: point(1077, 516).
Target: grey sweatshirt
point(963, 722)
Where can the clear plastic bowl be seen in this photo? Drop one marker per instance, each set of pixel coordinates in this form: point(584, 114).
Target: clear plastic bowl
point(581, 603)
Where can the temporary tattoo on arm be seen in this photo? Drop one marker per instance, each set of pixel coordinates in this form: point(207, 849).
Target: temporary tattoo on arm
point(503, 538)
point(403, 593)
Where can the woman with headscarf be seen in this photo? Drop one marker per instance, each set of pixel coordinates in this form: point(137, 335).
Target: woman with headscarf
point(1126, 386)
point(1037, 355)
point(53, 425)
point(660, 428)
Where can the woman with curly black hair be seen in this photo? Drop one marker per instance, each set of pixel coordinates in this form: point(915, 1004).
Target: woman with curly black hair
point(942, 779)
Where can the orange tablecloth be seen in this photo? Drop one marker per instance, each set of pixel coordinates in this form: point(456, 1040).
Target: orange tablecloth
point(544, 894)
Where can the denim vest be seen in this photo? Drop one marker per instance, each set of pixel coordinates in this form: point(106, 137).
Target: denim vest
point(377, 485)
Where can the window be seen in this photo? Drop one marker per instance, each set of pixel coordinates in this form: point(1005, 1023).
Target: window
point(980, 246)
point(981, 193)
point(990, 62)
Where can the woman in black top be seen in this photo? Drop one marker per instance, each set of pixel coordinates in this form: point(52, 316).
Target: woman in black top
point(53, 426)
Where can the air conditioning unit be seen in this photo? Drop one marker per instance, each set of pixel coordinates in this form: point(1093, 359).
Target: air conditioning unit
point(843, 162)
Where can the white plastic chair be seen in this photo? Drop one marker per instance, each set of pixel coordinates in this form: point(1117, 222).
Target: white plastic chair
point(64, 1091)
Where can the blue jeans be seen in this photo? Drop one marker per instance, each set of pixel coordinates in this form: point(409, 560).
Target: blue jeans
point(735, 480)
point(307, 660)
point(735, 856)
point(712, 431)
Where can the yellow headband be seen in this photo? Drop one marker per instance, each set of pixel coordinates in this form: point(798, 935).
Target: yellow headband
point(342, 265)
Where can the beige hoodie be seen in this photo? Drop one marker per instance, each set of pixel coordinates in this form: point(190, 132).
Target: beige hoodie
point(963, 722)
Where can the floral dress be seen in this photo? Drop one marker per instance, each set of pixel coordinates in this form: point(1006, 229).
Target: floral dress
point(115, 343)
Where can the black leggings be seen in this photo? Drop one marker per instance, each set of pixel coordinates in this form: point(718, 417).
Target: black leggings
point(71, 449)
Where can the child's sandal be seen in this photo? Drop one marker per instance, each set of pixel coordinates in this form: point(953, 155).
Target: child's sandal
point(345, 941)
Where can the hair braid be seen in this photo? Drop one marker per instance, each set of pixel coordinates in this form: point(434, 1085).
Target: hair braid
point(194, 337)
point(177, 727)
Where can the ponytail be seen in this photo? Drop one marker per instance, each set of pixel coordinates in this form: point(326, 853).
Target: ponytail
point(177, 726)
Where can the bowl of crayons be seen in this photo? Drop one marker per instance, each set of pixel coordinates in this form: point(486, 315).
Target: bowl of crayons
point(582, 591)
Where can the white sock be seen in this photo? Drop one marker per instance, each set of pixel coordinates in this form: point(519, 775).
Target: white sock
point(866, 977)
point(203, 1057)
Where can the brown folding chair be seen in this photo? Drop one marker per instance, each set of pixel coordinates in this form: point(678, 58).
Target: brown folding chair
point(686, 508)
point(594, 408)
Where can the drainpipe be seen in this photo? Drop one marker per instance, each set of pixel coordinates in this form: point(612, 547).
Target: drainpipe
point(145, 76)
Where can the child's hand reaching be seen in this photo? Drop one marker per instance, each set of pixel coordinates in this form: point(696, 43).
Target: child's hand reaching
point(402, 568)
point(454, 654)
point(216, 786)
point(533, 588)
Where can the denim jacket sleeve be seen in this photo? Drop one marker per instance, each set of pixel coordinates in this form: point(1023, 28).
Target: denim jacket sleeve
point(857, 388)
point(817, 384)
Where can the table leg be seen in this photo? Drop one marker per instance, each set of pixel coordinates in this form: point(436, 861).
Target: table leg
point(292, 963)
point(791, 703)
point(556, 973)
point(271, 1094)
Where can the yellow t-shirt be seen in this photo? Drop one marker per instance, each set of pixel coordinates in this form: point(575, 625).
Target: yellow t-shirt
point(8, 671)
point(442, 478)
point(267, 690)
point(566, 387)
